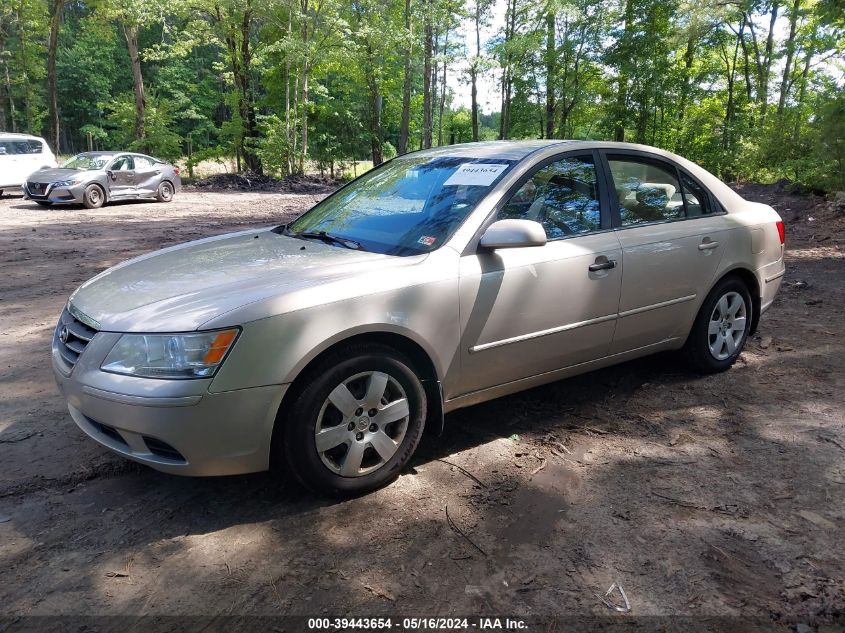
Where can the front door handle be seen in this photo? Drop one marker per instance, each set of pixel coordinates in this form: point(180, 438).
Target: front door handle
point(707, 245)
point(606, 265)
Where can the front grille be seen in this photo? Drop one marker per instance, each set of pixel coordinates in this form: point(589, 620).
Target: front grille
point(72, 337)
point(36, 188)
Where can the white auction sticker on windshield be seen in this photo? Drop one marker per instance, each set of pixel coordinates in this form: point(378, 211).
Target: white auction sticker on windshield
point(476, 174)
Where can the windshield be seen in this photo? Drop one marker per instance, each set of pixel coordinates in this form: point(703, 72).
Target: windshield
point(406, 207)
point(87, 161)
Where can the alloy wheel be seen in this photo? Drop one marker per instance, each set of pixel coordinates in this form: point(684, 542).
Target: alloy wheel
point(362, 424)
point(727, 326)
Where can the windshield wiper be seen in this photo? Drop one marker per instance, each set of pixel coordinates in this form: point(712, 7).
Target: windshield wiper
point(328, 238)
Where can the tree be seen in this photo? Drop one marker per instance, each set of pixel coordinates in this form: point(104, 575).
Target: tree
point(56, 7)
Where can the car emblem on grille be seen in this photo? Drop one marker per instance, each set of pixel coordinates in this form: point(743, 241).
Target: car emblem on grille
point(64, 334)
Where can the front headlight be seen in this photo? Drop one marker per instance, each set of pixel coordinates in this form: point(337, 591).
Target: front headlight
point(65, 183)
point(173, 356)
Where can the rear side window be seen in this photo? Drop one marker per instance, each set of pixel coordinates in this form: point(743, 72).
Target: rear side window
point(647, 191)
point(695, 197)
point(562, 196)
point(142, 163)
point(20, 147)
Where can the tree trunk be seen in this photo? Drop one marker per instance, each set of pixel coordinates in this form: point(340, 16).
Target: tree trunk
point(429, 39)
point(12, 111)
point(247, 98)
point(288, 147)
point(405, 125)
point(130, 31)
point(442, 106)
point(802, 92)
point(55, 23)
point(622, 81)
point(377, 134)
point(790, 54)
point(473, 71)
point(689, 55)
point(507, 71)
point(550, 74)
point(767, 65)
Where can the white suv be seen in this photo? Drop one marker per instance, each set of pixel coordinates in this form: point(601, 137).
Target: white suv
point(20, 155)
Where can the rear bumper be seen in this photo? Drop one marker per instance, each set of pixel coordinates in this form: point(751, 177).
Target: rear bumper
point(770, 278)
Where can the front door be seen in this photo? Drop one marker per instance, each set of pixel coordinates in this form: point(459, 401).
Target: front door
point(672, 237)
point(122, 177)
point(526, 311)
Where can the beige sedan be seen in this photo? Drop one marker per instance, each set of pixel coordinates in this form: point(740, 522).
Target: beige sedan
point(439, 280)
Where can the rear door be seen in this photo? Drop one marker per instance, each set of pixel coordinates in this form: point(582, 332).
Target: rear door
point(9, 173)
point(527, 311)
point(147, 175)
point(673, 234)
point(15, 162)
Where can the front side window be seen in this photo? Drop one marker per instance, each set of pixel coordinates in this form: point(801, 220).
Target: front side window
point(562, 196)
point(87, 161)
point(647, 191)
point(124, 163)
point(408, 206)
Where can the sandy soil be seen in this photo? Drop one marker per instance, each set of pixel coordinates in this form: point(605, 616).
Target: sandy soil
point(717, 496)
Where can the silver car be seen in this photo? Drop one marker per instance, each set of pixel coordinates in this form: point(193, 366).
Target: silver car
point(95, 178)
point(439, 280)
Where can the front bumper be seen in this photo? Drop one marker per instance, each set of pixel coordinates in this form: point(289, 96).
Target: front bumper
point(176, 426)
point(48, 193)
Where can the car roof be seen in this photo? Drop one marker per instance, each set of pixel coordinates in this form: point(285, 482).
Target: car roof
point(115, 153)
point(506, 150)
point(16, 135)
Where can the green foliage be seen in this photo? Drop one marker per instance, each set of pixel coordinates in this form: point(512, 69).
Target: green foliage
point(273, 147)
point(227, 78)
point(161, 141)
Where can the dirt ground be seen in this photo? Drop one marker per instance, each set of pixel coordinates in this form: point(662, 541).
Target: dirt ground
point(701, 497)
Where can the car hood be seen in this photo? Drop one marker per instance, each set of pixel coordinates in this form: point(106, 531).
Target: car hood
point(52, 175)
point(182, 287)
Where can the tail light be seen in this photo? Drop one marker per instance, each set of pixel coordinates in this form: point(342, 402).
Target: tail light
point(176, 170)
point(781, 232)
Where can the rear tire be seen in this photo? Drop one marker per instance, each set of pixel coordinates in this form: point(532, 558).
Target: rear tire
point(94, 197)
point(721, 327)
point(355, 421)
point(165, 192)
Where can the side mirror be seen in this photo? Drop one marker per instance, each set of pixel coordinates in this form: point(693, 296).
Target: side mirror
point(513, 234)
point(110, 174)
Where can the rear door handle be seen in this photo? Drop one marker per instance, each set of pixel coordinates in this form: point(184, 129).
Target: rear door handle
point(708, 245)
point(602, 265)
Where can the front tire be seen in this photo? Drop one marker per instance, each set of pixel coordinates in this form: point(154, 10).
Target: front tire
point(721, 327)
point(355, 422)
point(164, 193)
point(94, 197)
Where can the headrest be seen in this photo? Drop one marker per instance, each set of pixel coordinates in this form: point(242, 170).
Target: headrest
point(666, 188)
